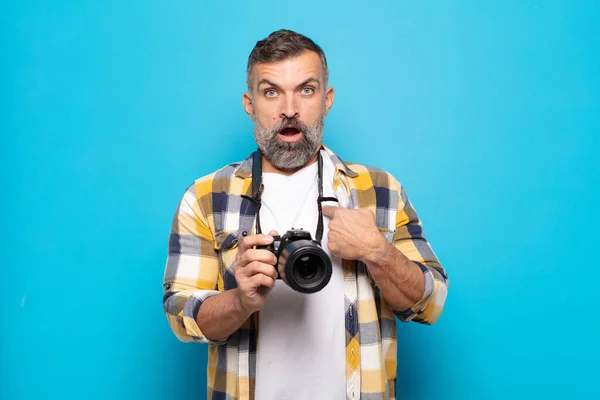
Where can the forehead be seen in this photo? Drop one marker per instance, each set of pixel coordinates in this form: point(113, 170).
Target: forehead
point(291, 70)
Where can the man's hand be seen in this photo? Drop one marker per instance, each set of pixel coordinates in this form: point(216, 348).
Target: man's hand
point(254, 270)
point(353, 234)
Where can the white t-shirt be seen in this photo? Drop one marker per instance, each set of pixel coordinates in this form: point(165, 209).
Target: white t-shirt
point(301, 349)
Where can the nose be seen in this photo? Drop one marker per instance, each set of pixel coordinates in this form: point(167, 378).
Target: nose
point(290, 109)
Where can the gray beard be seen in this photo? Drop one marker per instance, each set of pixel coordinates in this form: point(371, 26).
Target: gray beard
point(288, 156)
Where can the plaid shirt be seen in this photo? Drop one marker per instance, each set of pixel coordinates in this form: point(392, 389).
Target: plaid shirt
point(209, 221)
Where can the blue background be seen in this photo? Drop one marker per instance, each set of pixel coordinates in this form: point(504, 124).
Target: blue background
point(487, 112)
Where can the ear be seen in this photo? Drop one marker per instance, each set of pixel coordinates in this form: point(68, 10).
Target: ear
point(329, 97)
point(247, 102)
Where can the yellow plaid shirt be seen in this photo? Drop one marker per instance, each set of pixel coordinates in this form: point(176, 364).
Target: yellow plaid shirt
point(212, 215)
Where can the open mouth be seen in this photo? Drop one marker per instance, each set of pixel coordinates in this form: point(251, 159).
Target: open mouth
point(290, 134)
point(290, 131)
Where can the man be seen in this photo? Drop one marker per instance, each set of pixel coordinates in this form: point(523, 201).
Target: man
point(267, 341)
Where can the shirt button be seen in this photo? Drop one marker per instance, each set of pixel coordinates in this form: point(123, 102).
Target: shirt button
point(245, 233)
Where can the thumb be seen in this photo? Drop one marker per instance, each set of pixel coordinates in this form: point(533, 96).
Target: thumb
point(328, 211)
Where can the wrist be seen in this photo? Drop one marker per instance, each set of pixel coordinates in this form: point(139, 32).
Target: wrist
point(377, 250)
point(238, 305)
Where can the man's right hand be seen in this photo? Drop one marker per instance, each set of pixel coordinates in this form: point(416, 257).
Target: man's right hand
point(254, 270)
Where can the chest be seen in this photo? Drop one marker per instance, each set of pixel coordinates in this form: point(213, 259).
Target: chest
point(234, 216)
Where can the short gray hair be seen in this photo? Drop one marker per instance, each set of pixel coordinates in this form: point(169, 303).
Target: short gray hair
point(281, 45)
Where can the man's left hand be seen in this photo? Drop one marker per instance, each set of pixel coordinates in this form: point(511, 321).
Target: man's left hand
point(353, 234)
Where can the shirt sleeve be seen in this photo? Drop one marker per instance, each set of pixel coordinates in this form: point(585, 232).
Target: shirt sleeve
point(411, 241)
point(192, 269)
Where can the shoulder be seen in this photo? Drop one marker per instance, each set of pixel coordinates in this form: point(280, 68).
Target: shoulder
point(363, 176)
point(368, 175)
point(217, 181)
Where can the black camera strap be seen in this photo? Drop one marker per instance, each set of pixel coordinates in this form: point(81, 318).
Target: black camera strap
point(256, 186)
point(320, 200)
point(257, 192)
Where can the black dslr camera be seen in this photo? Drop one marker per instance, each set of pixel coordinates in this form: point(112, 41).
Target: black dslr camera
point(301, 262)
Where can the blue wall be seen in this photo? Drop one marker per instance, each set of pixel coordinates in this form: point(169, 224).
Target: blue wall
point(487, 112)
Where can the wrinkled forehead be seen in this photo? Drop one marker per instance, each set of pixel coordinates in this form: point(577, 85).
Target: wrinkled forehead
point(289, 72)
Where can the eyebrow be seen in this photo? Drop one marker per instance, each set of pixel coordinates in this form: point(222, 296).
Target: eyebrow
point(309, 80)
point(268, 82)
point(276, 86)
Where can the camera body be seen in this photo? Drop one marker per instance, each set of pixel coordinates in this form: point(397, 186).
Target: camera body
point(301, 262)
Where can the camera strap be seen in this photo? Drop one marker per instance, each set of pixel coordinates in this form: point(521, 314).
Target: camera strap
point(320, 200)
point(257, 192)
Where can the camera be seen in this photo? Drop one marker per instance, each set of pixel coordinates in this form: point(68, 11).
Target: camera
point(301, 262)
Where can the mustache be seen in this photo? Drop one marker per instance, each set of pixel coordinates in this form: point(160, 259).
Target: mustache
point(293, 122)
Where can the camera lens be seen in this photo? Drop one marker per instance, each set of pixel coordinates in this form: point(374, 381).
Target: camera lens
point(306, 267)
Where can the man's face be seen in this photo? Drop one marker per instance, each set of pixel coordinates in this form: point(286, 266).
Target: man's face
point(288, 104)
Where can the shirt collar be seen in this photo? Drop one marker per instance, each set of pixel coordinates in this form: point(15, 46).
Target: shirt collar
point(244, 170)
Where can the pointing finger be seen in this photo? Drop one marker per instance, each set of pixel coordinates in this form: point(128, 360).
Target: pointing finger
point(254, 240)
point(328, 211)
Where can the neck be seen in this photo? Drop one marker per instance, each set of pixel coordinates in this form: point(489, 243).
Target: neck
point(268, 167)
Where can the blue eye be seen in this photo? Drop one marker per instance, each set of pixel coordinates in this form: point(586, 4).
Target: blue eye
point(270, 93)
point(308, 91)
